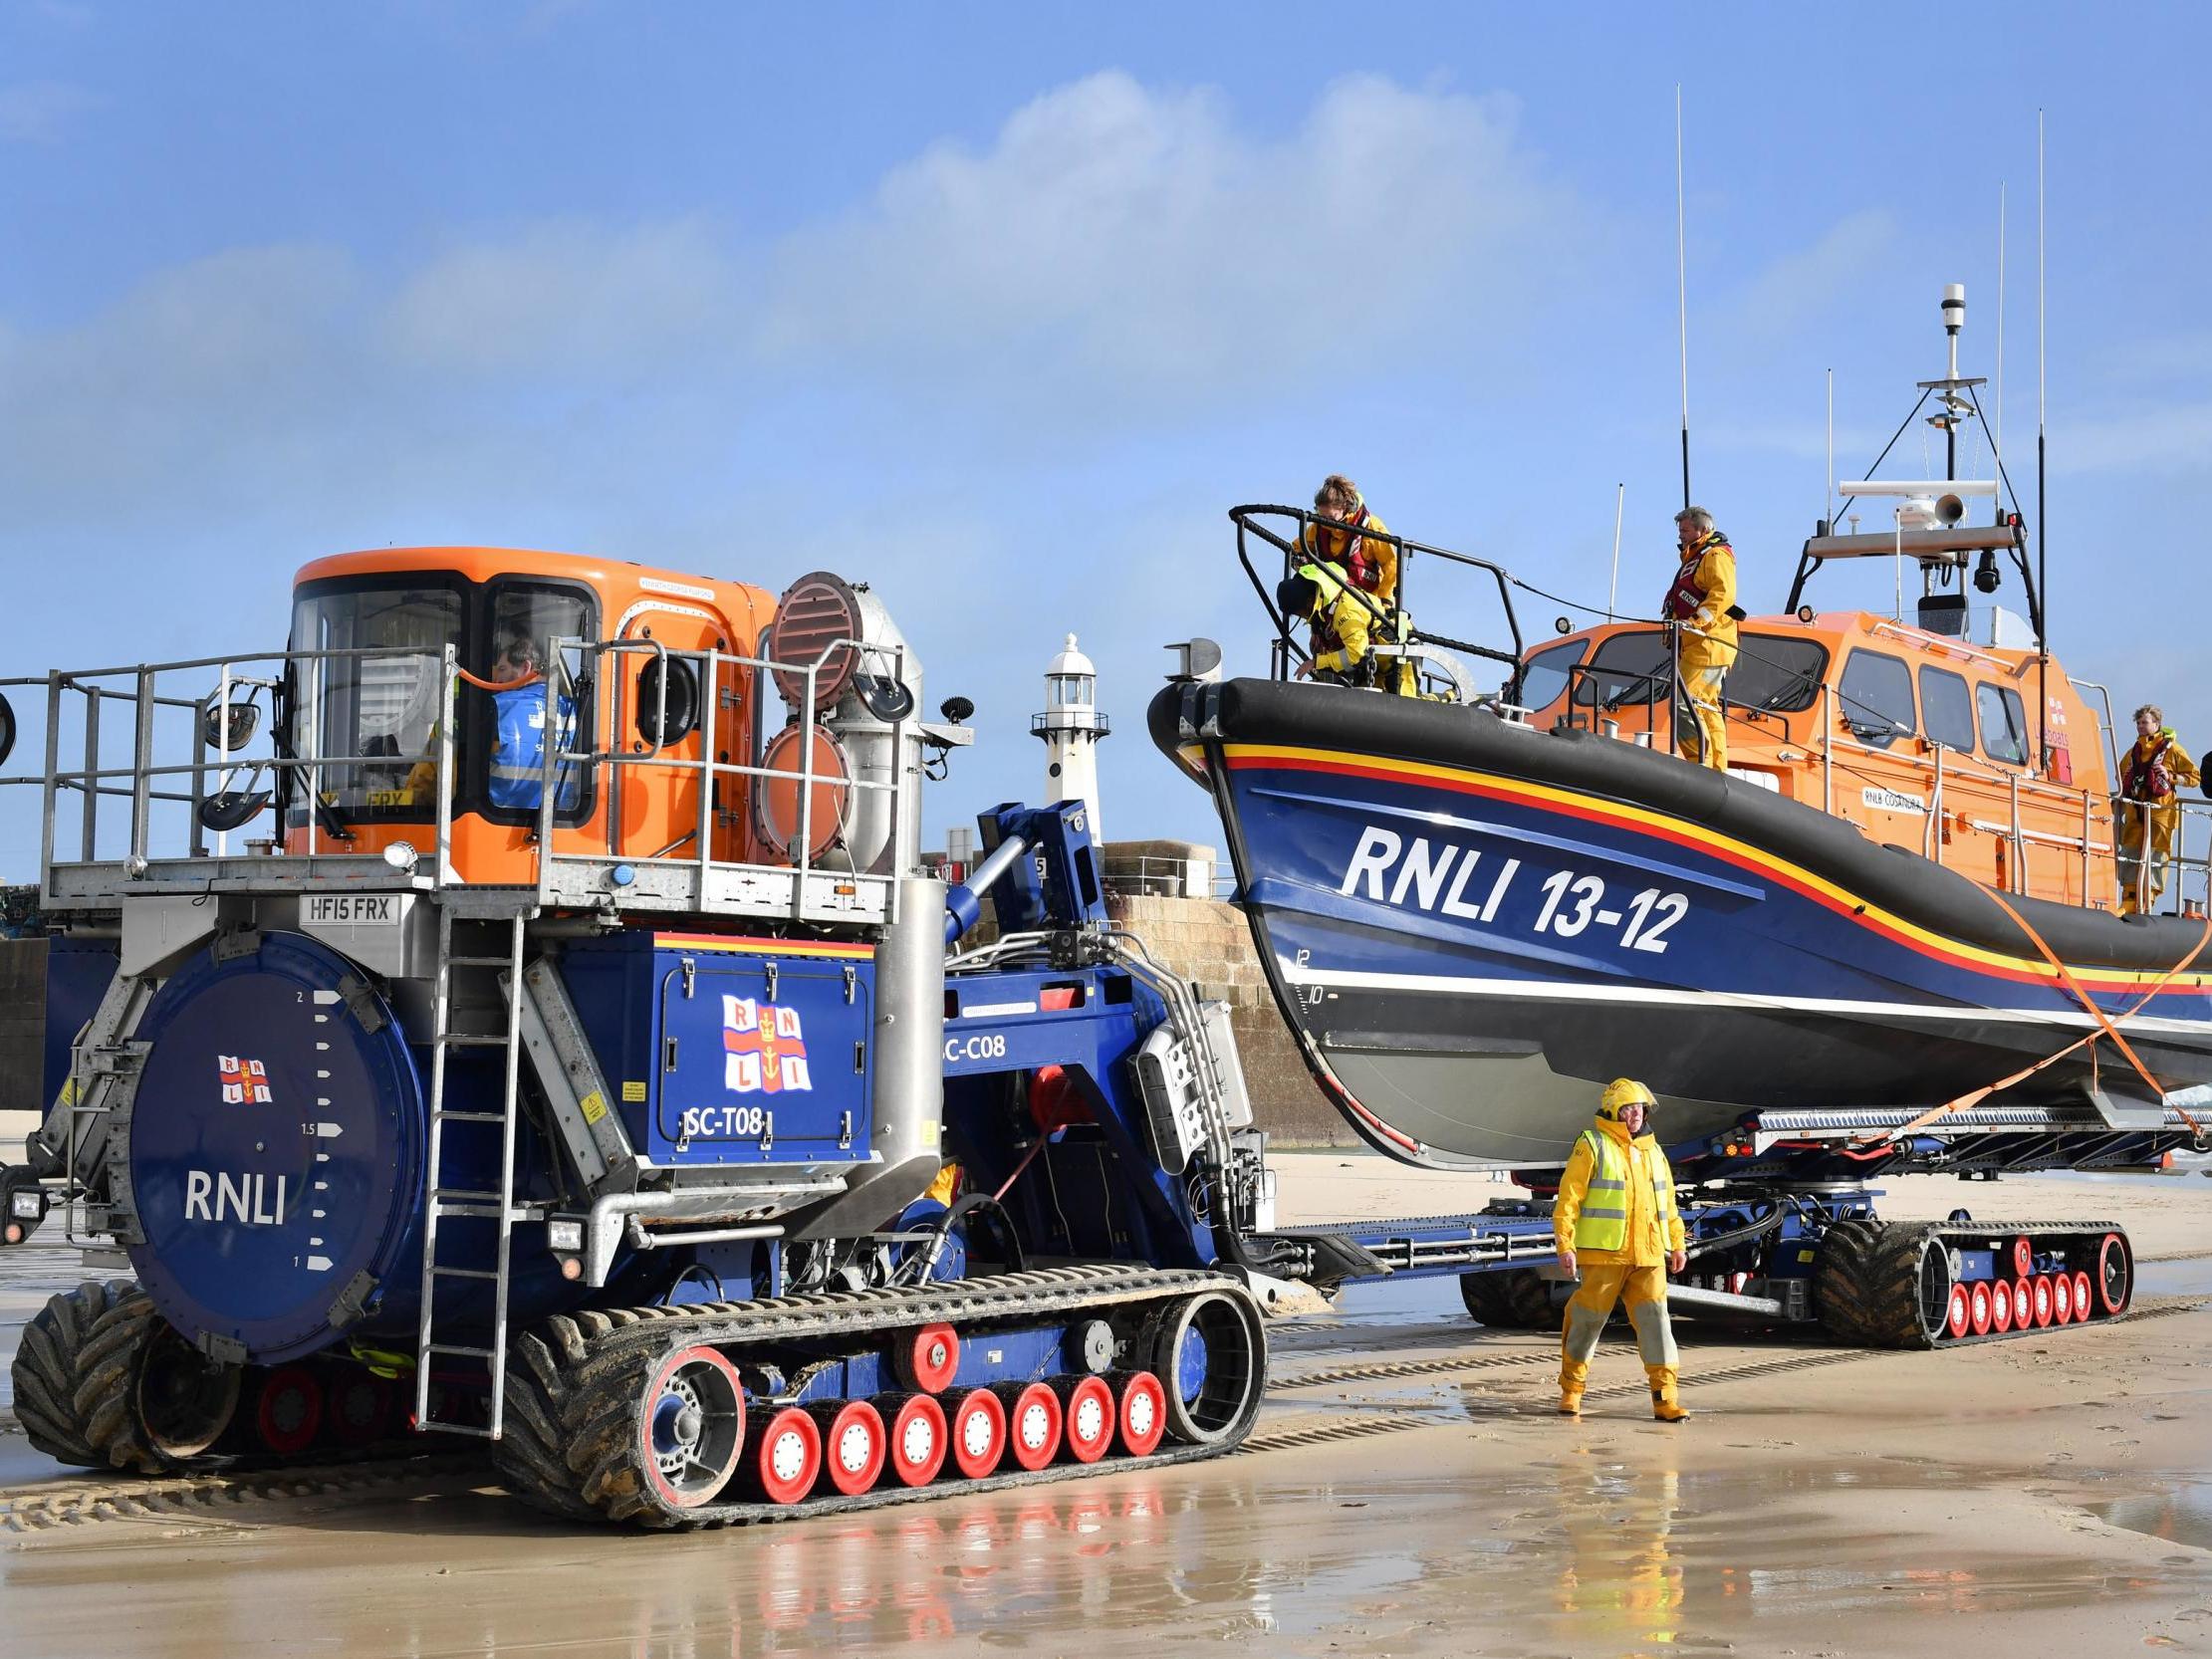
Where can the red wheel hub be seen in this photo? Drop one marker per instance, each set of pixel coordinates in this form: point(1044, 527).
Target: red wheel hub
point(978, 1433)
point(1142, 1418)
point(1961, 1314)
point(2042, 1293)
point(2000, 1307)
point(1087, 1411)
point(1033, 1422)
point(1979, 1298)
point(854, 1446)
point(783, 1455)
point(915, 1436)
point(928, 1359)
point(2082, 1308)
point(2062, 1298)
point(2022, 1305)
point(2023, 1257)
point(2113, 1274)
point(290, 1410)
point(359, 1408)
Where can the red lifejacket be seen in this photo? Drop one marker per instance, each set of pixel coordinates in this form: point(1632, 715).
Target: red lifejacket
point(2147, 778)
point(1365, 572)
point(1686, 598)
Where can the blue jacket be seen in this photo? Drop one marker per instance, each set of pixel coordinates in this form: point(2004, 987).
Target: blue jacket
point(518, 758)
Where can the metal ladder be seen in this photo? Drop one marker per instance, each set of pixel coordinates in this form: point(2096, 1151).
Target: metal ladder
point(441, 1201)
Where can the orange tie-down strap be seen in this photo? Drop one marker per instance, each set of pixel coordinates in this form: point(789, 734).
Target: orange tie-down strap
point(2108, 1025)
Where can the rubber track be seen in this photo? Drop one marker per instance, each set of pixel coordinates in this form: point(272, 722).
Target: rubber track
point(1868, 1285)
point(571, 1382)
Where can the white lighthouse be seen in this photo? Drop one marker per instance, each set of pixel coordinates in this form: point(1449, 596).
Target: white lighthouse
point(1071, 727)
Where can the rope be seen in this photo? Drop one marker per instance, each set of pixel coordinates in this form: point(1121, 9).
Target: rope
point(2107, 1028)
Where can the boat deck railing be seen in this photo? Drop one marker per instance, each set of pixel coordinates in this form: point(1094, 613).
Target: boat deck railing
point(1277, 537)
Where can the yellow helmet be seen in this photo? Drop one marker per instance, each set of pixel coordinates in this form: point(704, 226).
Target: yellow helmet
point(1623, 1091)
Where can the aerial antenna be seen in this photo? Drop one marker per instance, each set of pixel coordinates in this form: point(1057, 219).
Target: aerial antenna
point(1620, 496)
point(1829, 520)
point(1997, 431)
point(2042, 533)
point(1682, 294)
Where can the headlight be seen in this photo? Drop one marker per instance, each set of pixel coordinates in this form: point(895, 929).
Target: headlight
point(27, 1205)
point(402, 856)
point(565, 1236)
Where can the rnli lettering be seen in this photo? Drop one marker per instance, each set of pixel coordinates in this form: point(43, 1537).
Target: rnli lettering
point(1421, 873)
point(1441, 878)
point(254, 1199)
point(1893, 801)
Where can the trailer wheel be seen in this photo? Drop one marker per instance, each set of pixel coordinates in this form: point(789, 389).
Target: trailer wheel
point(1511, 1298)
point(150, 1399)
point(1880, 1286)
point(47, 1370)
point(916, 1434)
point(2116, 1277)
point(1211, 1354)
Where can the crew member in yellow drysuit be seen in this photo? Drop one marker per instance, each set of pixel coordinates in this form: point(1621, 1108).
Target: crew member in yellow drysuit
point(1702, 600)
point(2149, 774)
point(1371, 566)
point(1617, 1225)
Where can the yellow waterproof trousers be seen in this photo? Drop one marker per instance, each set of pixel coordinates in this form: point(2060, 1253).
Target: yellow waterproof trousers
point(1645, 1290)
point(1700, 724)
point(2164, 820)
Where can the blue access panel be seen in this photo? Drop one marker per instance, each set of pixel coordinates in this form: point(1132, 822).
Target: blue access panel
point(732, 1050)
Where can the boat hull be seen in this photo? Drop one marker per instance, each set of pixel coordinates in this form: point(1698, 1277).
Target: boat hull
point(1473, 926)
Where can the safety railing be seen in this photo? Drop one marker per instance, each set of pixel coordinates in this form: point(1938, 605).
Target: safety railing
point(1166, 876)
point(1298, 530)
point(807, 888)
point(202, 782)
point(214, 744)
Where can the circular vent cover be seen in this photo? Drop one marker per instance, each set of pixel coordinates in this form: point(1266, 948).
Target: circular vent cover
point(779, 796)
point(814, 612)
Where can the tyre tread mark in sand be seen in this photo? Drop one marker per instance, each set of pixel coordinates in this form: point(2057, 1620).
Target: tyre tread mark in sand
point(49, 1368)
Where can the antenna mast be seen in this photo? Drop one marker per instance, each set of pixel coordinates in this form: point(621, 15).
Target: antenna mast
point(2043, 533)
point(1997, 433)
point(1620, 496)
point(1683, 292)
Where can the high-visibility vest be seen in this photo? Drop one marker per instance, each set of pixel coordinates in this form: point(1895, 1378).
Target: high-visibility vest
point(518, 758)
point(1603, 1221)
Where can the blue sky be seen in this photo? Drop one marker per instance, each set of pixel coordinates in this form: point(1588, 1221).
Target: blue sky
point(998, 307)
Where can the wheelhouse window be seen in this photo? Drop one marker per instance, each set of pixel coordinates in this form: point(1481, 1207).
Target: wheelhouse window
point(1876, 694)
point(2004, 724)
point(1626, 669)
point(1775, 674)
point(370, 721)
point(1544, 675)
point(1947, 708)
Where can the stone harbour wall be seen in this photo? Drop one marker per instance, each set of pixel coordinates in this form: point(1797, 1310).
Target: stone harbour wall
point(1207, 940)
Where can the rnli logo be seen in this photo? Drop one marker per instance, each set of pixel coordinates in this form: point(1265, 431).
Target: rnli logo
point(766, 1050)
point(245, 1081)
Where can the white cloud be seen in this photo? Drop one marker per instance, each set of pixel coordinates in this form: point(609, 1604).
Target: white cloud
point(1115, 238)
point(569, 297)
point(38, 112)
point(1803, 287)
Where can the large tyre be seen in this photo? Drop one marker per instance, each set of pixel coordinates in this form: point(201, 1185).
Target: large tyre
point(49, 1366)
point(1879, 1286)
point(1515, 1298)
point(148, 1399)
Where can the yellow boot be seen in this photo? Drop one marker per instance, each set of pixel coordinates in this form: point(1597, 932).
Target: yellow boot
point(1665, 1407)
point(1569, 1402)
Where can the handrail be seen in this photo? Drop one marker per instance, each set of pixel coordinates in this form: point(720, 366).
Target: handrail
point(1246, 519)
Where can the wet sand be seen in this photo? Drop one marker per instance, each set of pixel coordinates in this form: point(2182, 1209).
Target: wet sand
point(1411, 1492)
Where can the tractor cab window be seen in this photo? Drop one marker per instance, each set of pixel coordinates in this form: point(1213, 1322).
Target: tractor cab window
point(508, 724)
point(369, 723)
